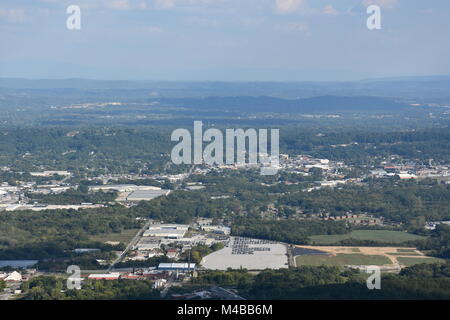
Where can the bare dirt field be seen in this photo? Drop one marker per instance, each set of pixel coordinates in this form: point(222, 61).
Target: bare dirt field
point(391, 253)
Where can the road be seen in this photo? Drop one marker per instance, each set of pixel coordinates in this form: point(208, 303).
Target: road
point(179, 184)
point(138, 235)
point(6, 296)
point(290, 254)
point(170, 283)
point(130, 245)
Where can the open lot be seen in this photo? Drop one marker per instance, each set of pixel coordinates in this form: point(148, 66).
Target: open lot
point(251, 254)
point(389, 257)
point(374, 235)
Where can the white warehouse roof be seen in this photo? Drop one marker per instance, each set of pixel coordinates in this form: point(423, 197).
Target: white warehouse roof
point(176, 266)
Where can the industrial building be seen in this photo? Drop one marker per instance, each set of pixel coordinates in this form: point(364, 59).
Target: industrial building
point(146, 244)
point(50, 173)
point(217, 229)
point(177, 266)
point(168, 231)
point(107, 276)
point(146, 195)
point(122, 188)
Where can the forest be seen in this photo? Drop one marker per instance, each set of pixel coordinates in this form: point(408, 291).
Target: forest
point(288, 231)
point(425, 281)
point(53, 288)
point(96, 150)
point(409, 202)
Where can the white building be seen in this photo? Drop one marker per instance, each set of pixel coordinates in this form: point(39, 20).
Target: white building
point(170, 231)
point(217, 229)
point(50, 173)
point(14, 277)
point(405, 176)
point(106, 276)
point(177, 266)
point(146, 195)
point(123, 188)
point(159, 283)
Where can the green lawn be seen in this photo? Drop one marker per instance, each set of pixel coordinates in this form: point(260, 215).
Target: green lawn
point(375, 235)
point(397, 254)
point(400, 250)
point(342, 259)
point(412, 261)
point(405, 252)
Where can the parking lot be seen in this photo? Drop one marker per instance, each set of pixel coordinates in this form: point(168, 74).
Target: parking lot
point(251, 254)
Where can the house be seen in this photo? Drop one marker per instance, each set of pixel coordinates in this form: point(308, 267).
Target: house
point(172, 253)
point(159, 283)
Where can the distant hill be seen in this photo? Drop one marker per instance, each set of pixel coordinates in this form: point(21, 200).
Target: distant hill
point(321, 104)
point(422, 89)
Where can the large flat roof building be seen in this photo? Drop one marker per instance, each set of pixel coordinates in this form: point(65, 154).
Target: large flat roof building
point(123, 188)
point(105, 276)
point(170, 231)
point(177, 266)
point(146, 195)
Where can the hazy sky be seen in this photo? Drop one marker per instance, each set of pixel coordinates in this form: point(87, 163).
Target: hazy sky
point(224, 39)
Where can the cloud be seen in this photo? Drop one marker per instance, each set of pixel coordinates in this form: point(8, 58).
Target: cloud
point(330, 10)
point(289, 6)
point(388, 4)
point(102, 4)
point(118, 4)
point(142, 5)
point(153, 29)
point(12, 15)
point(202, 21)
point(302, 7)
point(294, 27)
point(165, 4)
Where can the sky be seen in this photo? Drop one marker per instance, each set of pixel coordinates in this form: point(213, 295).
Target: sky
point(224, 40)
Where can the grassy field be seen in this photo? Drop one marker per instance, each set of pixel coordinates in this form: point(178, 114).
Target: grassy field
point(342, 259)
point(396, 254)
point(125, 236)
point(412, 261)
point(374, 235)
